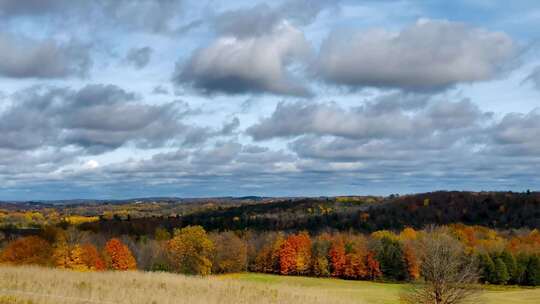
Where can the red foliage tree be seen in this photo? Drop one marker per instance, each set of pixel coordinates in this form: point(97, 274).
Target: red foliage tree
point(373, 266)
point(413, 265)
point(92, 258)
point(295, 254)
point(118, 256)
point(337, 258)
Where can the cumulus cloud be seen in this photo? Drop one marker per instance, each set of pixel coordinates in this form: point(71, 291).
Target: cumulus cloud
point(22, 57)
point(139, 57)
point(365, 122)
point(96, 118)
point(428, 55)
point(259, 64)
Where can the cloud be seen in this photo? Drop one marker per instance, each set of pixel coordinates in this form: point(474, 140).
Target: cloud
point(160, 90)
point(262, 18)
point(365, 122)
point(96, 118)
point(139, 57)
point(253, 65)
point(428, 55)
point(155, 16)
point(517, 134)
point(10, 8)
point(22, 57)
point(534, 78)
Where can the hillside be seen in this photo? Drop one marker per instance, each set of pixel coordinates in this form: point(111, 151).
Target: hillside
point(504, 210)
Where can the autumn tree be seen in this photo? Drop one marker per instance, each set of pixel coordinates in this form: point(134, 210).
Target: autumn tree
point(27, 250)
point(373, 268)
point(118, 256)
point(267, 259)
point(337, 258)
point(190, 251)
point(355, 262)
point(92, 258)
point(320, 266)
point(411, 259)
point(295, 254)
point(447, 272)
point(230, 254)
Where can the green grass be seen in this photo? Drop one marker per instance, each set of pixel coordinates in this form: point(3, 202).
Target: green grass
point(382, 293)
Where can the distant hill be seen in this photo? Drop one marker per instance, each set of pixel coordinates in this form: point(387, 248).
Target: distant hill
point(369, 213)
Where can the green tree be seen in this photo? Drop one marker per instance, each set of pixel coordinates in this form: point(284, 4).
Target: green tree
point(533, 271)
point(501, 272)
point(511, 265)
point(522, 262)
point(190, 251)
point(487, 267)
point(390, 257)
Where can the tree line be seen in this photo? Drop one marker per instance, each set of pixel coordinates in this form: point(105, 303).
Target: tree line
point(501, 257)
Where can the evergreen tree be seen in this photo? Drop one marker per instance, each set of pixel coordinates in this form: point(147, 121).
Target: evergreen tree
point(391, 259)
point(487, 268)
point(501, 272)
point(533, 271)
point(522, 262)
point(511, 265)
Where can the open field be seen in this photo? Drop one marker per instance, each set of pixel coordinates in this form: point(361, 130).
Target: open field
point(28, 285)
point(32, 285)
point(381, 293)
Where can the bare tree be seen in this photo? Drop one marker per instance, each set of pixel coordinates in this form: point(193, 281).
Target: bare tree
point(449, 276)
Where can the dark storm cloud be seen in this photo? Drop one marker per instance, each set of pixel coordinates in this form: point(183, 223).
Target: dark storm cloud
point(253, 65)
point(22, 57)
point(96, 118)
point(139, 57)
point(428, 55)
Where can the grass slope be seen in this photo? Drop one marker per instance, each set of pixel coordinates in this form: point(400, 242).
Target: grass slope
point(33, 285)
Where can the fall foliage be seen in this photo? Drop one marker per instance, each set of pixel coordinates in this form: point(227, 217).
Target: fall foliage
point(118, 256)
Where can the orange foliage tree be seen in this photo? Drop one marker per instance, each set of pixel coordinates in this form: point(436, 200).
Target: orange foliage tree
point(373, 266)
point(337, 258)
point(411, 259)
point(355, 262)
point(295, 254)
point(27, 250)
point(118, 256)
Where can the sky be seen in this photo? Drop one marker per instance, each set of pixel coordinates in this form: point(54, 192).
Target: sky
point(199, 98)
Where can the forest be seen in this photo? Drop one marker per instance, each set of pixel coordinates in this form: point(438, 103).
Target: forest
point(353, 238)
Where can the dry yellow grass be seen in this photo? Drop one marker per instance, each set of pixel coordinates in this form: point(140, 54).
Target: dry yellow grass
point(34, 285)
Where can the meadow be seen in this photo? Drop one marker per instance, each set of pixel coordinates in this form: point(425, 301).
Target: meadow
point(35, 285)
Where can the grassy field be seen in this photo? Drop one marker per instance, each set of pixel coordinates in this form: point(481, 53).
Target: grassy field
point(381, 293)
point(32, 285)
